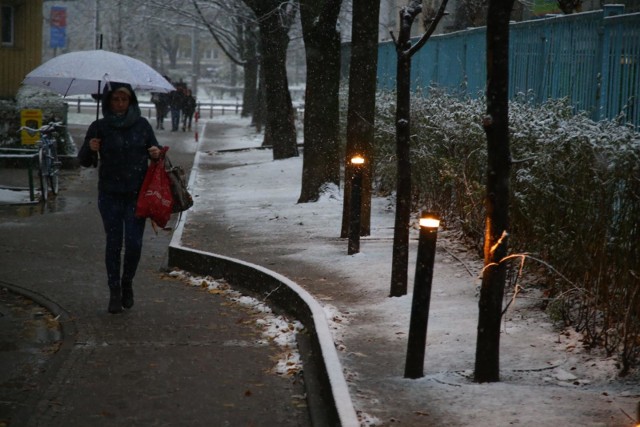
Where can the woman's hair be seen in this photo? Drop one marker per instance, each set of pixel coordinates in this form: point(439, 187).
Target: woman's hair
point(110, 89)
point(114, 87)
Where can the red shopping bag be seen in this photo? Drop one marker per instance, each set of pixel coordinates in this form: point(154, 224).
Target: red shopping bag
point(155, 200)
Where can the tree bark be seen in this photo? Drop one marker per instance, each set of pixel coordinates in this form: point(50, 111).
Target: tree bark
point(274, 23)
point(362, 104)
point(248, 49)
point(400, 261)
point(321, 163)
point(258, 118)
point(496, 126)
point(250, 93)
point(405, 51)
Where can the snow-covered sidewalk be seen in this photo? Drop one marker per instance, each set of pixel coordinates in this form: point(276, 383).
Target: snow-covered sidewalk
point(548, 378)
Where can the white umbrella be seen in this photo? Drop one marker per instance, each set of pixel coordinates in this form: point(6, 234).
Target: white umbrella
point(86, 72)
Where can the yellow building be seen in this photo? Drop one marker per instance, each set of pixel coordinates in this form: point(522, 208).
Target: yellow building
point(20, 42)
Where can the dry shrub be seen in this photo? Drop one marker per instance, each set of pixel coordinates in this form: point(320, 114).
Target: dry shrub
point(575, 201)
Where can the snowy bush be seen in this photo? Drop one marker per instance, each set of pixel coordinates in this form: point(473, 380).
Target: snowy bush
point(575, 200)
point(53, 109)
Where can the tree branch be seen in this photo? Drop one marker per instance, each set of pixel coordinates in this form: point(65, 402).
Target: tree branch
point(231, 57)
point(436, 20)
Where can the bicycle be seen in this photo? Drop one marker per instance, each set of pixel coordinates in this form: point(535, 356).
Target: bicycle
point(48, 162)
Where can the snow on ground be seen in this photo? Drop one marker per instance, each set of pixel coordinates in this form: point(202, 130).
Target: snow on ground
point(547, 377)
point(13, 196)
point(275, 328)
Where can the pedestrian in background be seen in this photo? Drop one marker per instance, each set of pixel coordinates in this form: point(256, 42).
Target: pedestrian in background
point(188, 109)
point(176, 102)
point(161, 102)
point(125, 142)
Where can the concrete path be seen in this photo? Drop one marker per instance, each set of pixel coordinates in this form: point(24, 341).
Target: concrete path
point(181, 356)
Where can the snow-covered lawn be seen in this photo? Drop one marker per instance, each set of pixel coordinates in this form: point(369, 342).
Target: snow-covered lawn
point(547, 377)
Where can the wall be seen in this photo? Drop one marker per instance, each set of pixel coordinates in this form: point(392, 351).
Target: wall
point(592, 58)
point(17, 60)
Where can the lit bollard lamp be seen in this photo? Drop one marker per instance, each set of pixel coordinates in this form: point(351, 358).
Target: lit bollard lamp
point(414, 367)
point(357, 163)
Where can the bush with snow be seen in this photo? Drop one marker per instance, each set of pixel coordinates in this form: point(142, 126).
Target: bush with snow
point(575, 200)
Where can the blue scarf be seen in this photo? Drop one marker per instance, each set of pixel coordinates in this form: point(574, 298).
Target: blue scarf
point(124, 120)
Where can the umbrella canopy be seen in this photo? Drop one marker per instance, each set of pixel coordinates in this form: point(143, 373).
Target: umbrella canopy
point(86, 72)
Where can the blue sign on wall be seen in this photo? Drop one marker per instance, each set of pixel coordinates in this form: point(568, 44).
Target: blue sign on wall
point(58, 19)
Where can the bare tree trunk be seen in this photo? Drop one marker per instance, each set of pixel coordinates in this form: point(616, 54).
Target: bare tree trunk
point(274, 20)
point(405, 51)
point(321, 164)
point(362, 105)
point(250, 93)
point(400, 263)
point(258, 119)
point(496, 126)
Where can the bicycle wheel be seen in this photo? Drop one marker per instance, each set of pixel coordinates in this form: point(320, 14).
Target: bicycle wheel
point(54, 171)
point(43, 174)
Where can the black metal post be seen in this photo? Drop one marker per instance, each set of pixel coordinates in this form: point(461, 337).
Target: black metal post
point(32, 195)
point(414, 367)
point(355, 211)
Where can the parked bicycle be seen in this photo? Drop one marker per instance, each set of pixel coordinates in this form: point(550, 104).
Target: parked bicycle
point(48, 162)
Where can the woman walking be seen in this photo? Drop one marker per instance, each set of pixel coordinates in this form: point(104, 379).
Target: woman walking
point(124, 141)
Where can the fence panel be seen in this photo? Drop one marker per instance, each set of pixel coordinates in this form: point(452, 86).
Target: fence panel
point(387, 61)
point(590, 58)
point(476, 60)
point(621, 73)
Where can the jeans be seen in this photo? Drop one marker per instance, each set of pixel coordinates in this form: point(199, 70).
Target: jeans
point(175, 118)
point(121, 226)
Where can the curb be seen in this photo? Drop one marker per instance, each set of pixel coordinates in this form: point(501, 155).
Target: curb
point(327, 391)
point(68, 332)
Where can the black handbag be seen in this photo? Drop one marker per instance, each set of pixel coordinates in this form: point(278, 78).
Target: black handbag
point(182, 199)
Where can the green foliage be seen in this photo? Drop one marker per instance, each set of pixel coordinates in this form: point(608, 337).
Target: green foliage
point(575, 200)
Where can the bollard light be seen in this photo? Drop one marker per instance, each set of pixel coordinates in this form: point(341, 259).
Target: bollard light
point(357, 160)
point(357, 163)
point(414, 366)
point(429, 221)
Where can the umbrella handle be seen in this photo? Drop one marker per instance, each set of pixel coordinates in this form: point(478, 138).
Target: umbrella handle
point(99, 96)
point(96, 156)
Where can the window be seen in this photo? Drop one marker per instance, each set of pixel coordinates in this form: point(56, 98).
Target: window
point(6, 25)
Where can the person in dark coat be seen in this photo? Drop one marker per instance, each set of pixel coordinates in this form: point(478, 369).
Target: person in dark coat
point(188, 109)
point(176, 102)
point(161, 101)
point(124, 141)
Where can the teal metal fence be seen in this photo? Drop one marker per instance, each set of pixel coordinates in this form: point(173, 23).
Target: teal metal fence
point(591, 58)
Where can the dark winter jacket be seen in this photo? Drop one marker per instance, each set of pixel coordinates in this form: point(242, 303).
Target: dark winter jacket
point(189, 105)
point(176, 99)
point(123, 152)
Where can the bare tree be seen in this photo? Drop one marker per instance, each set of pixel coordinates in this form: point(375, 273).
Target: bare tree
point(274, 20)
point(362, 104)
point(321, 164)
point(231, 24)
point(405, 50)
point(496, 126)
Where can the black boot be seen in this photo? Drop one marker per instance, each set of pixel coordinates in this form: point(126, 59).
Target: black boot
point(115, 299)
point(127, 295)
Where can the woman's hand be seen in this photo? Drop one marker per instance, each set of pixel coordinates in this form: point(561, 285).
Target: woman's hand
point(94, 144)
point(154, 152)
